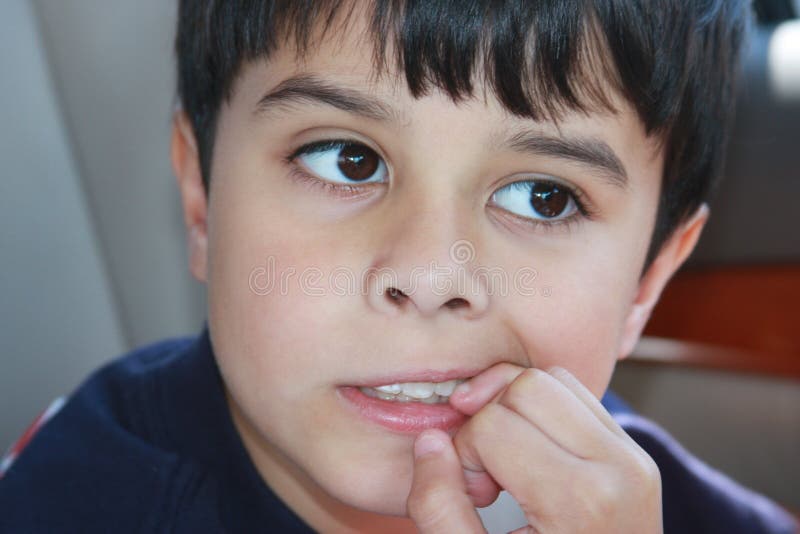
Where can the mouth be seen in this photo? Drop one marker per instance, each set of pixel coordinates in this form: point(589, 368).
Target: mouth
point(407, 407)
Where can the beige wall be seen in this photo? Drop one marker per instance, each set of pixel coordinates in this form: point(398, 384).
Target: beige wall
point(58, 319)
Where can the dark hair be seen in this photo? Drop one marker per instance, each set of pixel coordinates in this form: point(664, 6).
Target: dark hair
point(675, 61)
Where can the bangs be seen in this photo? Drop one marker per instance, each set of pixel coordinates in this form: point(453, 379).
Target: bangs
point(539, 59)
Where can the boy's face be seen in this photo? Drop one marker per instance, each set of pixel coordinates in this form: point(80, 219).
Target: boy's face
point(430, 203)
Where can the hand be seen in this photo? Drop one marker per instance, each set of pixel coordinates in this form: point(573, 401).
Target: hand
point(544, 438)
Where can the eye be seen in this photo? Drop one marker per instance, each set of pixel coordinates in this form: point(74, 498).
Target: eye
point(541, 200)
point(342, 162)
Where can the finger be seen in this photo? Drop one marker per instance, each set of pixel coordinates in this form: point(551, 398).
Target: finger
point(474, 394)
point(523, 460)
point(543, 400)
point(481, 487)
point(588, 399)
point(552, 407)
point(471, 397)
point(438, 501)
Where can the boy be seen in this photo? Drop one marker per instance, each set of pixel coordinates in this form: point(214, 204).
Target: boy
point(428, 231)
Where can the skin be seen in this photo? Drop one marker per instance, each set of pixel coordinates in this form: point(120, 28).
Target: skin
point(536, 427)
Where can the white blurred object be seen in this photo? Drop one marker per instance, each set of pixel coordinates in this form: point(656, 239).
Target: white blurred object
point(503, 515)
point(783, 61)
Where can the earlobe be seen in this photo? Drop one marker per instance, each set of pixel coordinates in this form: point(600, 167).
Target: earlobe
point(186, 166)
point(671, 256)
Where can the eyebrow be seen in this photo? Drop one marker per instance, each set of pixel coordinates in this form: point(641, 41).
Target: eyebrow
point(590, 152)
point(306, 89)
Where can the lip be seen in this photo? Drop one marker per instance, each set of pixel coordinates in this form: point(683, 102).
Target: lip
point(403, 417)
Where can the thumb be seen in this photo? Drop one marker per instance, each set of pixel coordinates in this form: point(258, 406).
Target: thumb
point(438, 501)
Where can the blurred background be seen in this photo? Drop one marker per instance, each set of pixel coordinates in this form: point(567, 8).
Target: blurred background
point(93, 259)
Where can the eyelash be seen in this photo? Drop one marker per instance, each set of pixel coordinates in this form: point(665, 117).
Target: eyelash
point(297, 172)
point(338, 190)
point(585, 211)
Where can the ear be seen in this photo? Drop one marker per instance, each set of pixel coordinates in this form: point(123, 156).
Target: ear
point(186, 166)
point(671, 256)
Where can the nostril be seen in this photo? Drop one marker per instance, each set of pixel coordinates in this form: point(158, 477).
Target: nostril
point(456, 303)
point(395, 295)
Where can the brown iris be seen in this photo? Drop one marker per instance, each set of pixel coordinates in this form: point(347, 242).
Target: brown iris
point(358, 162)
point(548, 199)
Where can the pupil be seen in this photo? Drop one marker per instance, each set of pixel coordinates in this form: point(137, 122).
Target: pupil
point(358, 162)
point(548, 200)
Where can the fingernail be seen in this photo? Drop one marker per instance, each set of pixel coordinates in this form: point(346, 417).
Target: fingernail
point(462, 390)
point(427, 443)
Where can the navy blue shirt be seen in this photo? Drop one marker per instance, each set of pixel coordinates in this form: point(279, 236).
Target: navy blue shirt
point(147, 444)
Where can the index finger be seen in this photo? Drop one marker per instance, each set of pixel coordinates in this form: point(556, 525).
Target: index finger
point(473, 395)
point(476, 393)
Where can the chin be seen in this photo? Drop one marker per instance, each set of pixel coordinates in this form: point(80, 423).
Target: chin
point(372, 484)
point(391, 502)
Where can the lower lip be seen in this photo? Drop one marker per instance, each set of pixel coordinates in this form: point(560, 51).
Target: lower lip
point(404, 417)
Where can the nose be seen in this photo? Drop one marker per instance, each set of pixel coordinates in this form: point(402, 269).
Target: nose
point(426, 269)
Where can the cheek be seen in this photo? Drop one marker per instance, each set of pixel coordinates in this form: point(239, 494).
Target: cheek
point(269, 300)
point(256, 302)
point(575, 318)
point(281, 347)
point(248, 278)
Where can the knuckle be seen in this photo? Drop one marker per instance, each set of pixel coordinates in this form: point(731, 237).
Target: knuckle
point(600, 493)
point(651, 469)
point(608, 488)
point(528, 386)
point(645, 473)
point(605, 497)
point(639, 467)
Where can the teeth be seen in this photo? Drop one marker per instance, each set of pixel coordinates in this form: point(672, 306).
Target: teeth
point(418, 390)
point(392, 388)
point(426, 392)
point(445, 389)
point(383, 395)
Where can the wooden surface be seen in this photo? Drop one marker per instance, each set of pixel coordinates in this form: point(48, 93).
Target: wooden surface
point(744, 318)
point(663, 351)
